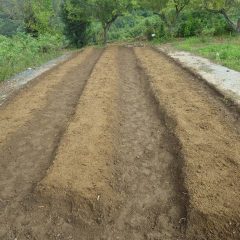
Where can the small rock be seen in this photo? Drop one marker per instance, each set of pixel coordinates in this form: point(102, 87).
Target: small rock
point(99, 220)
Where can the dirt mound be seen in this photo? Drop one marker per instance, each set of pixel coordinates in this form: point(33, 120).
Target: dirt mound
point(82, 169)
point(120, 144)
point(210, 139)
point(31, 127)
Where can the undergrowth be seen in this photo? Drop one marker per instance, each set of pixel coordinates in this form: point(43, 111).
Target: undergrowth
point(224, 50)
point(22, 51)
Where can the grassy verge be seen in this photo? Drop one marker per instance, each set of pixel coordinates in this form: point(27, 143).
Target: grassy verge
point(21, 52)
point(224, 50)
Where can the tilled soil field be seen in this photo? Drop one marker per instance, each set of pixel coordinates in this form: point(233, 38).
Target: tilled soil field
point(119, 143)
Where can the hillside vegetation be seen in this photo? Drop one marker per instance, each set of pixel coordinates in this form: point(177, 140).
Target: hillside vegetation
point(34, 31)
point(23, 51)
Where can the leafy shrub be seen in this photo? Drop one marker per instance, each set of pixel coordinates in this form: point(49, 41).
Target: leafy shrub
point(9, 27)
point(191, 23)
point(76, 22)
point(139, 24)
point(22, 51)
point(201, 23)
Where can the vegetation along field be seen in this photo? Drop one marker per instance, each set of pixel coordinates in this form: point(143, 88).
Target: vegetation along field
point(221, 49)
point(118, 142)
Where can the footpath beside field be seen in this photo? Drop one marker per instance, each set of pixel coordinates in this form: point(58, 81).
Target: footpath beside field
point(119, 143)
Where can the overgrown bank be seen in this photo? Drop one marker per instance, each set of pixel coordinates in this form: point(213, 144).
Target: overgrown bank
point(223, 50)
point(23, 51)
point(33, 31)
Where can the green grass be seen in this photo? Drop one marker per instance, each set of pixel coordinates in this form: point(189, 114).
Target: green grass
point(21, 52)
point(224, 50)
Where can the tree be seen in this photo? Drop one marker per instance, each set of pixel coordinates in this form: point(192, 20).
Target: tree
point(39, 16)
point(224, 7)
point(168, 10)
point(76, 18)
point(10, 17)
point(107, 11)
point(12, 9)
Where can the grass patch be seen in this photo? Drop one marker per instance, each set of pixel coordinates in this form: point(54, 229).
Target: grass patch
point(22, 51)
point(224, 50)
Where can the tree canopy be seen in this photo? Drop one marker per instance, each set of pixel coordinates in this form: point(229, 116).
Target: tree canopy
point(224, 7)
point(107, 11)
point(168, 10)
point(78, 19)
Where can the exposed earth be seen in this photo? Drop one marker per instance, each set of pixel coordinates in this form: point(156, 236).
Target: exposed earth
point(119, 143)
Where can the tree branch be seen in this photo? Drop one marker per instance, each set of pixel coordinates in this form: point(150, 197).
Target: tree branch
point(163, 17)
point(227, 18)
point(180, 7)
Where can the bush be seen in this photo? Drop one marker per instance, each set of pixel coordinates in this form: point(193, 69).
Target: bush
point(139, 24)
point(190, 23)
point(9, 27)
point(76, 22)
point(22, 51)
point(201, 23)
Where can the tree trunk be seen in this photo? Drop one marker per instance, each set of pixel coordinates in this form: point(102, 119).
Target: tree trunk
point(227, 18)
point(105, 30)
point(229, 21)
point(238, 25)
point(106, 27)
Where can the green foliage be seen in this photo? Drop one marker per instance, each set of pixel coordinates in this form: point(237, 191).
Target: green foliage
point(194, 23)
point(22, 51)
point(76, 19)
point(168, 10)
point(107, 12)
point(138, 24)
point(9, 27)
point(88, 21)
point(36, 17)
point(94, 33)
point(221, 4)
point(224, 50)
point(39, 17)
point(128, 27)
point(93, 21)
point(226, 8)
point(145, 23)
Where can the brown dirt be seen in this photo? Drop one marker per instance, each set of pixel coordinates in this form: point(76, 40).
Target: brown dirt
point(81, 175)
point(146, 176)
point(210, 140)
point(150, 153)
point(30, 132)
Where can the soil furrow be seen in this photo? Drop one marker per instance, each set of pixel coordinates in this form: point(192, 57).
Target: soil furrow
point(27, 153)
point(19, 109)
point(74, 197)
point(209, 135)
point(146, 166)
point(121, 145)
